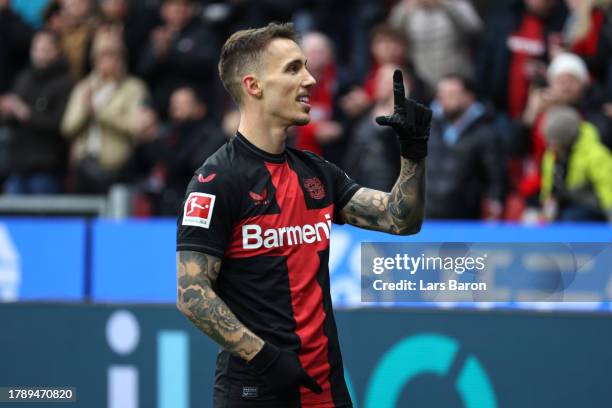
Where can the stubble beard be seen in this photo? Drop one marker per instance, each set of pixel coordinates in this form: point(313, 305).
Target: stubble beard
point(301, 122)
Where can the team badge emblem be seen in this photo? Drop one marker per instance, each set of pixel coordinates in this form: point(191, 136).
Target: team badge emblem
point(198, 210)
point(315, 188)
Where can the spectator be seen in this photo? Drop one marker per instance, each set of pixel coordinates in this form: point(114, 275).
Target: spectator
point(171, 156)
point(585, 36)
point(36, 106)
point(576, 169)
point(371, 158)
point(134, 20)
point(15, 37)
point(52, 17)
point(322, 128)
point(78, 25)
point(513, 50)
point(348, 34)
point(440, 34)
point(570, 85)
point(568, 80)
point(113, 11)
point(101, 116)
point(388, 46)
point(465, 166)
point(182, 51)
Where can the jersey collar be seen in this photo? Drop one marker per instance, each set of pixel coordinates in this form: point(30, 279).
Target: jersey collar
point(269, 157)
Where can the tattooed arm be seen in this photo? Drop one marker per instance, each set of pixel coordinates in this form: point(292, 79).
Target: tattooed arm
point(198, 301)
point(398, 212)
point(401, 211)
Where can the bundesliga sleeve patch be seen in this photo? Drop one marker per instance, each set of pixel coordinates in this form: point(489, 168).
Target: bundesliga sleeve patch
point(198, 210)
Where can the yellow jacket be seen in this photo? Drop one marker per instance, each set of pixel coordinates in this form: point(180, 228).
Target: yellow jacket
point(589, 165)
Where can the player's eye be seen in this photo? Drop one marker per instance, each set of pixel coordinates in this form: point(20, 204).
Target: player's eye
point(293, 68)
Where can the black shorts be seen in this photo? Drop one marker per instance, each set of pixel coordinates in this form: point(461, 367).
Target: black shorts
point(237, 385)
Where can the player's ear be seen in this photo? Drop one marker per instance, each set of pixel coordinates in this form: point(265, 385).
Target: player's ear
point(252, 86)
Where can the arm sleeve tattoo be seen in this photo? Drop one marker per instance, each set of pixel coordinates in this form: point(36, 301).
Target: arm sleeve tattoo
point(197, 300)
point(399, 212)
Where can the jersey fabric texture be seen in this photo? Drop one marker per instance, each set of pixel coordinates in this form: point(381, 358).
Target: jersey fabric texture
point(268, 216)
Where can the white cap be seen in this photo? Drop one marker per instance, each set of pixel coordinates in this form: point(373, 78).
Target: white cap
point(567, 63)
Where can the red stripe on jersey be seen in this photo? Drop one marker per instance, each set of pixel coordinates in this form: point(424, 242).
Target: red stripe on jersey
point(303, 265)
point(306, 293)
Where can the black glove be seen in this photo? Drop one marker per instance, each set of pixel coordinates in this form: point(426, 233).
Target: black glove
point(281, 370)
point(410, 120)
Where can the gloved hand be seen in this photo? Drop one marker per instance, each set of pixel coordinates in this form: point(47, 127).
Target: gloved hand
point(281, 370)
point(410, 120)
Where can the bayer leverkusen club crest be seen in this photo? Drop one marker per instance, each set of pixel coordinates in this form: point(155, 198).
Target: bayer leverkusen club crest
point(198, 210)
point(315, 188)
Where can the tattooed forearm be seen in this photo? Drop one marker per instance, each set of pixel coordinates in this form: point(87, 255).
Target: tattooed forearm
point(197, 300)
point(407, 199)
point(398, 212)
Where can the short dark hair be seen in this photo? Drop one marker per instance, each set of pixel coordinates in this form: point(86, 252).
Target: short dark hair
point(383, 30)
point(51, 9)
point(242, 51)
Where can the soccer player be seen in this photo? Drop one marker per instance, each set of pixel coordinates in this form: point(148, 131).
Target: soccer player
point(253, 236)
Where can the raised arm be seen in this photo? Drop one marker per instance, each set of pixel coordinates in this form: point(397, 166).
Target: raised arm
point(401, 211)
point(199, 302)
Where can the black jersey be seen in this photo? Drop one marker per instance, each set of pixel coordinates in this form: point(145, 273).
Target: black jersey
point(269, 216)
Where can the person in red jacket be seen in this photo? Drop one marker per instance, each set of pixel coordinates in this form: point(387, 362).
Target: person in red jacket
point(387, 46)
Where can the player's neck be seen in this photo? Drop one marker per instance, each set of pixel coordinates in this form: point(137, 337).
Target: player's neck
point(262, 134)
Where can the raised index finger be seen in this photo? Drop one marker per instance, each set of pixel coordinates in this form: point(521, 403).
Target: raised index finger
point(399, 94)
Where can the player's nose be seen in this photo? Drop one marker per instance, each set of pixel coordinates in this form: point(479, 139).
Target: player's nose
point(309, 81)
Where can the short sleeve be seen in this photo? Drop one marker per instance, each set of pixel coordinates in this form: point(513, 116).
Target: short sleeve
point(207, 215)
point(344, 189)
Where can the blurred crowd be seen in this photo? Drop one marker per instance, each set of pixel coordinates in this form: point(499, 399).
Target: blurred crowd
point(99, 92)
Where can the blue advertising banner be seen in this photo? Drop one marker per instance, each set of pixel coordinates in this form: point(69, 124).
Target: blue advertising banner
point(134, 261)
point(152, 357)
point(42, 259)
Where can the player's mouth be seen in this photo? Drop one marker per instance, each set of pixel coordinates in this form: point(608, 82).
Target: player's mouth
point(304, 100)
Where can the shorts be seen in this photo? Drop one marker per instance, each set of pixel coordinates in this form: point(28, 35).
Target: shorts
point(237, 385)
